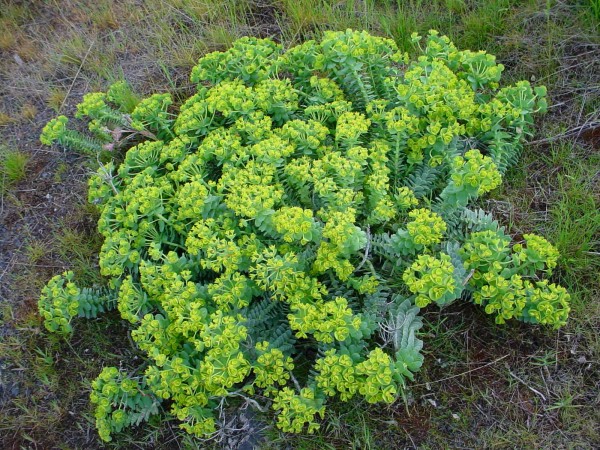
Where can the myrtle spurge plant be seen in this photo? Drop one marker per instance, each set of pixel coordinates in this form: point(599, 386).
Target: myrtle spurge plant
point(272, 239)
point(62, 300)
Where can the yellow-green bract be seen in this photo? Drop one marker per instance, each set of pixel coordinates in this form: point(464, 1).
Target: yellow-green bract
point(260, 237)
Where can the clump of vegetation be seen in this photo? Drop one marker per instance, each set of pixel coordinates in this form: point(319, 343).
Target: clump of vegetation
point(13, 165)
point(276, 236)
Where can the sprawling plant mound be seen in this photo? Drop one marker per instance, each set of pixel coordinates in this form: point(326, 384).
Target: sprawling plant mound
point(274, 238)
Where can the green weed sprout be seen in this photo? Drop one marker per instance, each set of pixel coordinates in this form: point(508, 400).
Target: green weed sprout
point(290, 210)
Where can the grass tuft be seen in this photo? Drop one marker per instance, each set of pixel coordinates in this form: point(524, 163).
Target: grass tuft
point(13, 165)
point(575, 217)
point(5, 119)
point(594, 9)
point(28, 111)
point(56, 98)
